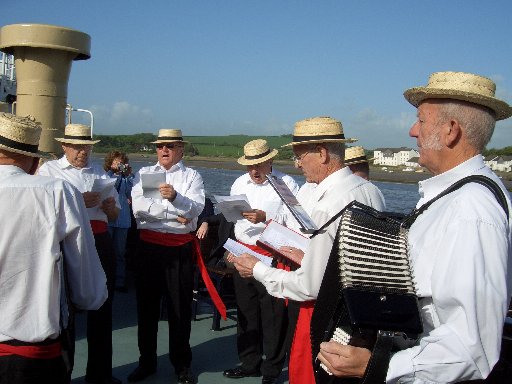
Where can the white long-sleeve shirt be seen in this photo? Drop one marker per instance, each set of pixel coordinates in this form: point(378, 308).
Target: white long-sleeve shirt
point(460, 250)
point(82, 179)
point(38, 213)
point(161, 214)
point(329, 197)
point(260, 196)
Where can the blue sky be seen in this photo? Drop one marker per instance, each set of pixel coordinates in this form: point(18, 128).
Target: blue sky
point(256, 67)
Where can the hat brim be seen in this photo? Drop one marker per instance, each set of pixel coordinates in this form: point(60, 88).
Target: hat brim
point(168, 141)
point(39, 154)
point(319, 141)
point(76, 141)
point(348, 162)
point(417, 95)
point(244, 161)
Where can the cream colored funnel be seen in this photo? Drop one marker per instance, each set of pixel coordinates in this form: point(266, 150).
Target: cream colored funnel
point(43, 56)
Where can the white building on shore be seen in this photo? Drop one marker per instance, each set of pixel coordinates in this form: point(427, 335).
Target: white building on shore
point(394, 156)
point(501, 163)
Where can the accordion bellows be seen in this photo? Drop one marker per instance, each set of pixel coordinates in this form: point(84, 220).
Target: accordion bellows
point(373, 257)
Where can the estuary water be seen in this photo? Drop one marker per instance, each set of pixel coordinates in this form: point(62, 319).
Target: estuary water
point(399, 197)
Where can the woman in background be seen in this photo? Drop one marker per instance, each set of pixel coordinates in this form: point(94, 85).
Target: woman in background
point(117, 166)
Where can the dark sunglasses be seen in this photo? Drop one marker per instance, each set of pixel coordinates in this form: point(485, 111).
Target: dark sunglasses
point(169, 146)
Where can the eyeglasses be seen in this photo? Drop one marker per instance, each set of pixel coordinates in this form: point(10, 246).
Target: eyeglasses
point(169, 146)
point(298, 159)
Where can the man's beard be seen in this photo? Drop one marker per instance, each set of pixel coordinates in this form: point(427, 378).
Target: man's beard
point(433, 141)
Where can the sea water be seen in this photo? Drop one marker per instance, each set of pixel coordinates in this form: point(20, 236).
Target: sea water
point(399, 197)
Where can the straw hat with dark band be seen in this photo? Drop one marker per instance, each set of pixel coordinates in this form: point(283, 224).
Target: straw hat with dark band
point(460, 86)
point(318, 130)
point(256, 152)
point(169, 136)
point(20, 135)
point(77, 134)
point(355, 155)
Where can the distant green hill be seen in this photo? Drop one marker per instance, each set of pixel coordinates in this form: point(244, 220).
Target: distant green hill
point(215, 146)
point(209, 146)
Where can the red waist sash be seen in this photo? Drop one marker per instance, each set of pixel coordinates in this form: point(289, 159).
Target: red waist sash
point(264, 252)
point(257, 249)
point(175, 240)
point(99, 226)
point(35, 351)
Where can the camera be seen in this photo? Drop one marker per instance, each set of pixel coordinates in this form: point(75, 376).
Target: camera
point(123, 167)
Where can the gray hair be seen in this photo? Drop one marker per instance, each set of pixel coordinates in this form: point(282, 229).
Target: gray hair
point(477, 122)
point(336, 150)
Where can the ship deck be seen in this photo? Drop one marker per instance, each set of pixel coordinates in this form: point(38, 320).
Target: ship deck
point(212, 351)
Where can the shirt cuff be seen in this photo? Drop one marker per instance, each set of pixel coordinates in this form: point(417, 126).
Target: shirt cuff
point(401, 369)
point(259, 271)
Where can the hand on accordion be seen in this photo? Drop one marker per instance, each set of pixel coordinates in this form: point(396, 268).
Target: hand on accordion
point(344, 360)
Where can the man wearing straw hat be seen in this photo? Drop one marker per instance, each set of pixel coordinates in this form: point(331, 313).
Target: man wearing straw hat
point(356, 160)
point(460, 247)
point(261, 317)
point(76, 167)
point(40, 217)
point(319, 148)
point(164, 259)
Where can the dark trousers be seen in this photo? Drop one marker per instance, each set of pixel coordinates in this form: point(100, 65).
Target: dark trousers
point(261, 329)
point(99, 322)
point(22, 370)
point(164, 271)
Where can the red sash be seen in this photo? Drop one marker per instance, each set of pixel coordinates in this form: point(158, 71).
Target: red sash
point(175, 240)
point(257, 249)
point(300, 365)
point(36, 351)
point(98, 226)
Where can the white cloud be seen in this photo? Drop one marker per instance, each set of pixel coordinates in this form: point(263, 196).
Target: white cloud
point(375, 130)
point(121, 118)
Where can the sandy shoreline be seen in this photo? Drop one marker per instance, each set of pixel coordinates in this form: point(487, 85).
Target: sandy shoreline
point(376, 173)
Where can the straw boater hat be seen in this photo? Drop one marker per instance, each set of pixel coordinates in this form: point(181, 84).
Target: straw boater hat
point(20, 135)
point(77, 134)
point(256, 152)
point(318, 130)
point(460, 86)
point(169, 136)
point(355, 155)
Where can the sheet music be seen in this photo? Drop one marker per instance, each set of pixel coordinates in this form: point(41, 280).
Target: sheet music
point(151, 184)
point(232, 206)
point(103, 186)
point(297, 210)
point(238, 249)
point(277, 235)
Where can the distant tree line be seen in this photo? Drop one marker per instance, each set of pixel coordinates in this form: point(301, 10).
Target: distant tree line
point(217, 146)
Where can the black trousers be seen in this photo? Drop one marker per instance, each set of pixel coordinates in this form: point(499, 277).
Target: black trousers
point(164, 271)
point(262, 323)
point(99, 322)
point(21, 370)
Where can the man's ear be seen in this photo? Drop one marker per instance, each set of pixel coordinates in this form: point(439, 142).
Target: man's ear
point(34, 166)
point(324, 154)
point(453, 133)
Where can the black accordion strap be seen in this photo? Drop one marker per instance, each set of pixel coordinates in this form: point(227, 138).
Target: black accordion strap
point(480, 179)
point(377, 367)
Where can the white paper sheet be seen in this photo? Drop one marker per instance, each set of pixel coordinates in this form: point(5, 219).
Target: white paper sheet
point(151, 184)
point(232, 206)
point(237, 249)
point(103, 186)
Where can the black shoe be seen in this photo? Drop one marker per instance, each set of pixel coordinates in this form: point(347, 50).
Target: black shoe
point(102, 380)
point(140, 373)
point(186, 377)
point(238, 373)
point(269, 380)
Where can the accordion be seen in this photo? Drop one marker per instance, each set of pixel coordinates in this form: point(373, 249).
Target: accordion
point(374, 300)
